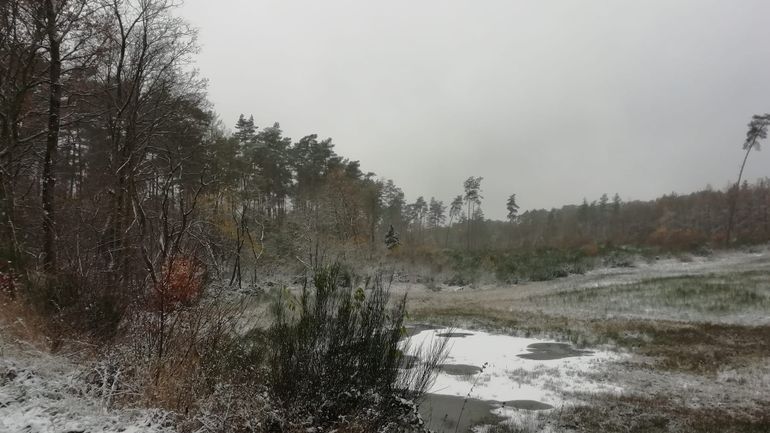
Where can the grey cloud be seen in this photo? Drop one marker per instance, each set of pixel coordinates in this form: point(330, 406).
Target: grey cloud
point(552, 100)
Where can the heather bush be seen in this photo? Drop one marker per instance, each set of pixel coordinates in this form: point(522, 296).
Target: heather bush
point(338, 354)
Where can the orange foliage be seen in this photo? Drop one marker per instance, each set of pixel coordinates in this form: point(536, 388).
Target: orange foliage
point(182, 283)
point(719, 237)
point(8, 280)
point(590, 250)
point(676, 239)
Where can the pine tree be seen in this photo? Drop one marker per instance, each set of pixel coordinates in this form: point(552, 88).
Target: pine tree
point(472, 198)
point(420, 209)
point(245, 130)
point(436, 213)
point(616, 203)
point(513, 208)
point(455, 210)
point(583, 211)
point(603, 200)
point(391, 238)
point(757, 131)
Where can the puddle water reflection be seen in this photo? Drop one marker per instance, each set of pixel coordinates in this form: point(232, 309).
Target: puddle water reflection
point(460, 369)
point(441, 412)
point(549, 351)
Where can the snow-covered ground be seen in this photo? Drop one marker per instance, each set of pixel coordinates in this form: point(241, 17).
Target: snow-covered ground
point(42, 393)
point(513, 297)
point(728, 291)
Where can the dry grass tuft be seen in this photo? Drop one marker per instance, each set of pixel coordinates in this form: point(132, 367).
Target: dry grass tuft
point(636, 414)
point(19, 322)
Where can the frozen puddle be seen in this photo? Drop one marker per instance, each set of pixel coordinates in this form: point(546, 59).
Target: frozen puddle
point(504, 377)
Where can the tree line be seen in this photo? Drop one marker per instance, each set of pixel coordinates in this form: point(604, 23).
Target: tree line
point(114, 166)
point(105, 132)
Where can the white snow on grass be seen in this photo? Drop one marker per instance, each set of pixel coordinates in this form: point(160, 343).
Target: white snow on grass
point(506, 376)
point(42, 393)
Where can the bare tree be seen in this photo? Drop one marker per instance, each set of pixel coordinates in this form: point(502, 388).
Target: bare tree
point(67, 38)
point(142, 71)
point(22, 71)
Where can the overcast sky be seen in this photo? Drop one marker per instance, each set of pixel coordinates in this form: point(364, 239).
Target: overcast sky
point(551, 100)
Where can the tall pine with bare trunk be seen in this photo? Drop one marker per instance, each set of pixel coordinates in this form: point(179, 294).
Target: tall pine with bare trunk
point(757, 131)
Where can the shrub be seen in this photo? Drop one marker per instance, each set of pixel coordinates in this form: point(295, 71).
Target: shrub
point(9, 281)
point(540, 265)
point(181, 283)
point(76, 304)
point(337, 355)
point(183, 359)
point(590, 249)
point(618, 259)
point(11, 266)
point(467, 268)
point(677, 239)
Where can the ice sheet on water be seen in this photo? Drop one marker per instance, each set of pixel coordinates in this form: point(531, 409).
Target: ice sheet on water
point(506, 376)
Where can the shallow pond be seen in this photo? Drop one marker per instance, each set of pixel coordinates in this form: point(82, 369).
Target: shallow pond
point(488, 378)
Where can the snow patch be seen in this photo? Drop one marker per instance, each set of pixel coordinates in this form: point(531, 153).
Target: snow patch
point(41, 393)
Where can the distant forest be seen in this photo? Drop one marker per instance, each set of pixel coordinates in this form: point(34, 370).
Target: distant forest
point(113, 164)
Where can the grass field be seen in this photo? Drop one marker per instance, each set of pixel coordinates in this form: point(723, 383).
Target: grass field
point(730, 298)
point(698, 347)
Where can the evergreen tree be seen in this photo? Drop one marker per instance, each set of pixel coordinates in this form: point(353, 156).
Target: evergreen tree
point(757, 131)
point(245, 130)
point(420, 210)
point(436, 216)
point(309, 160)
point(455, 210)
point(513, 208)
point(616, 203)
point(584, 216)
point(603, 201)
point(395, 204)
point(472, 198)
point(391, 238)
point(269, 156)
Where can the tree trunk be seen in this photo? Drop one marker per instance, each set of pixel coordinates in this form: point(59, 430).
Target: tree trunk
point(52, 139)
point(448, 229)
point(7, 195)
point(734, 195)
point(469, 226)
